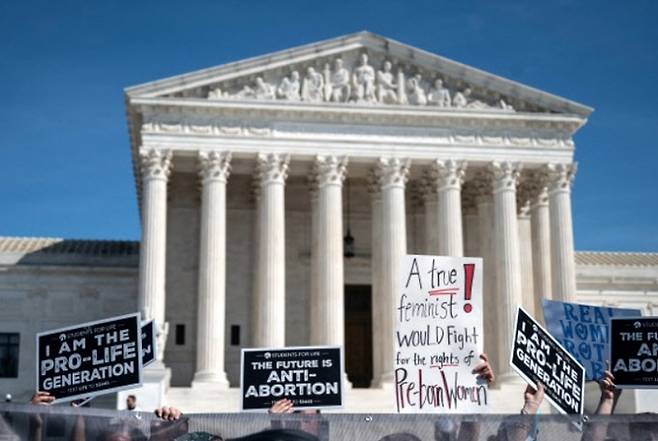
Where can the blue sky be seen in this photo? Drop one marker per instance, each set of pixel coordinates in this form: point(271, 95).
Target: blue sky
point(65, 164)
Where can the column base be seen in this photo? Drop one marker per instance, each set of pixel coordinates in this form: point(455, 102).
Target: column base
point(210, 379)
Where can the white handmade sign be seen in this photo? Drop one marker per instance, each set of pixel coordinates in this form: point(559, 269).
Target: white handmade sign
point(438, 336)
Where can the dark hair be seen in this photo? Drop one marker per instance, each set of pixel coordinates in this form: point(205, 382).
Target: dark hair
point(132, 396)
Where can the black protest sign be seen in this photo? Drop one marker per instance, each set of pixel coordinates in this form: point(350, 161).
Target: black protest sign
point(539, 358)
point(148, 342)
point(90, 359)
point(310, 377)
point(634, 352)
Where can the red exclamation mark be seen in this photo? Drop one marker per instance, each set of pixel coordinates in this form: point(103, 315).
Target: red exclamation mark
point(469, 270)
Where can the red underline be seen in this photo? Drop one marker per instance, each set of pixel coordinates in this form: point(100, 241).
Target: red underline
point(445, 365)
point(438, 292)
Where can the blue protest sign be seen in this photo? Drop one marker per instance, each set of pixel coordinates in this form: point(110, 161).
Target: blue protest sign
point(584, 331)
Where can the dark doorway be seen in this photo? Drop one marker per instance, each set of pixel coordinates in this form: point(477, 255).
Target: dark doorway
point(358, 334)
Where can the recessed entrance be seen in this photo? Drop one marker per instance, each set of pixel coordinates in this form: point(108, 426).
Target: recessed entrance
point(358, 334)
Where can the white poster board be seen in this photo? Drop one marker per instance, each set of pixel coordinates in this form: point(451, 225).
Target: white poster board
point(438, 336)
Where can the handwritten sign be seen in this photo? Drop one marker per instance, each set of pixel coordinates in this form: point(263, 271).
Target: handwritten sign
point(310, 377)
point(438, 336)
point(90, 359)
point(539, 358)
point(148, 342)
point(634, 352)
point(583, 331)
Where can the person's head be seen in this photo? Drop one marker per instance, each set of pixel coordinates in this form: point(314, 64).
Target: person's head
point(294, 75)
point(131, 402)
point(438, 83)
point(364, 59)
point(387, 66)
point(339, 63)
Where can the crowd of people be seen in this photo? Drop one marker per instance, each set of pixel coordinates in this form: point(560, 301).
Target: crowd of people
point(170, 423)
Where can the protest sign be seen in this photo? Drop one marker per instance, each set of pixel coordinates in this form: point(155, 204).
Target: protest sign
point(438, 336)
point(539, 358)
point(583, 331)
point(310, 377)
point(148, 342)
point(634, 352)
point(90, 359)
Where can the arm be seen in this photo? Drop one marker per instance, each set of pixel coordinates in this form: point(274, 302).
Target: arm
point(36, 422)
point(521, 427)
point(470, 430)
point(596, 431)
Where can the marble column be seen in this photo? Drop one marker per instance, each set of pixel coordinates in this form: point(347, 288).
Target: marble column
point(486, 233)
point(327, 308)
point(394, 174)
point(560, 178)
point(375, 190)
point(270, 303)
point(449, 176)
point(430, 202)
point(508, 273)
point(471, 222)
point(541, 245)
point(525, 249)
point(155, 170)
point(214, 170)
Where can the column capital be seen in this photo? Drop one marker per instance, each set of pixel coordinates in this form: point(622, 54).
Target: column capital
point(155, 164)
point(505, 175)
point(448, 174)
point(330, 170)
point(483, 184)
point(536, 183)
point(560, 177)
point(393, 172)
point(272, 168)
point(428, 187)
point(214, 166)
point(470, 195)
point(375, 183)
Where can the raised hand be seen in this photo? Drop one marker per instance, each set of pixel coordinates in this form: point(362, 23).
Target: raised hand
point(608, 389)
point(484, 370)
point(42, 398)
point(532, 399)
point(168, 413)
point(281, 406)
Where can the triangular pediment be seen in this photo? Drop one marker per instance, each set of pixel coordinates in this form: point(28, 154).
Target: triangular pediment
point(359, 69)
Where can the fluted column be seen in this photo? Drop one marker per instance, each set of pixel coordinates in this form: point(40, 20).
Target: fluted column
point(449, 176)
point(214, 170)
point(270, 302)
point(560, 179)
point(375, 190)
point(155, 169)
point(472, 241)
point(430, 202)
point(394, 173)
point(541, 245)
point(486, 233)
point(327, 310)
point(525, 249)
point(508, 275)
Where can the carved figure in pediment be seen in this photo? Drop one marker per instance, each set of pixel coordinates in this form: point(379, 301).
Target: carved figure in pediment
point(215, 94)
point(364, 81)
point(474, 104)
point(460, 99)
point(289, 87)
point(246, 92)
point(416, 93)
point(504, 105)
point(313, 87)
point(387, 90)
point(264, 90)
point(340, 83)
point(439, 95)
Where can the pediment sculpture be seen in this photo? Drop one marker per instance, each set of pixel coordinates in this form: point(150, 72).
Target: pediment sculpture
point(362, 84)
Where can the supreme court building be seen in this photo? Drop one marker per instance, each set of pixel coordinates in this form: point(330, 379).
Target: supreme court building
point(250, 175)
